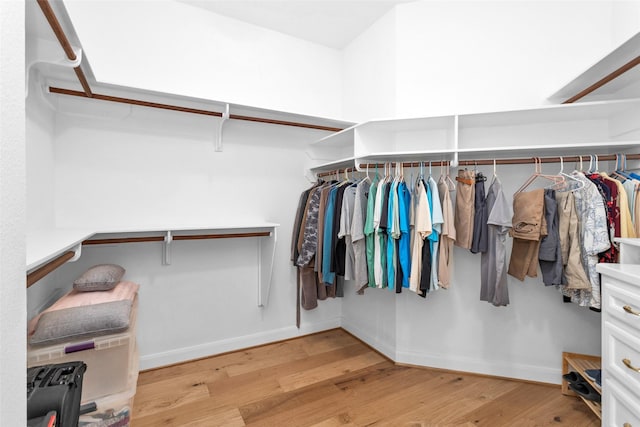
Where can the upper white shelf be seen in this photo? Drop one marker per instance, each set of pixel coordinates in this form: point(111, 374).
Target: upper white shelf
point(625, 86)
point(45, 245)
point(603, 127)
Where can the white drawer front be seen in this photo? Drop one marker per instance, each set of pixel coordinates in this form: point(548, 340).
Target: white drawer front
point(621, 304)
point(620, 408)
point(620, 345)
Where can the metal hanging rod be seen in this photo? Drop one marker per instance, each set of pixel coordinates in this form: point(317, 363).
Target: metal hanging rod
point(515, 161)
point(52, 265)
point(64, 43)
point(178, 237)
point(88, 93)
point(606, 79)
point(161, 106)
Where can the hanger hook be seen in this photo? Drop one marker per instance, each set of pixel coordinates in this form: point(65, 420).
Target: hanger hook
point(494, 168)
point(561, 165)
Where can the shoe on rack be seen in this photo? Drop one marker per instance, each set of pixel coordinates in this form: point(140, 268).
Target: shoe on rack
point(595, 375)
point(585, 390)
point(573, 377)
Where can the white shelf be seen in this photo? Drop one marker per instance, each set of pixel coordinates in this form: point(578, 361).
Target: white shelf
point(604, 127)
point(336, 164)
point(343, 137)
point(184, 228)
point(622, 87)
point(45, 245)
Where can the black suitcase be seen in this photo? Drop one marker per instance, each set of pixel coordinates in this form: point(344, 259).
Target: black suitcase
point(55, 388)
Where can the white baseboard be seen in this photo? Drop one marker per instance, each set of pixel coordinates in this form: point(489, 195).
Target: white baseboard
point(179, 355)
point(457, 363)
point(384, 347)
point(482, 366)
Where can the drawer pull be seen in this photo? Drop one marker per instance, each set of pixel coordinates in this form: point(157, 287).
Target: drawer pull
point(626, 425)
point(630, 310)
point(627, 362)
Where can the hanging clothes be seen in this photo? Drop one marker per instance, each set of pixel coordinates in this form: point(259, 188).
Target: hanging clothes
point(328, 273)
point(380, 254)
point(434, 238)
point(550, 252)
point(493, 262)
point(306, 279)
point(382, 235)
point(392, 234)
point(344, 232)
point(357, 232)
point(574, 273)
point(421, 230)
point(447, 235)
point(404, 243)
point(465, 210)
point(369, 232)
point(479, 236)
point(529, 226)
point(594, 233)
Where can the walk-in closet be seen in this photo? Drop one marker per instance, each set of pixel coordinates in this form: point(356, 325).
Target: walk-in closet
point(311, 213)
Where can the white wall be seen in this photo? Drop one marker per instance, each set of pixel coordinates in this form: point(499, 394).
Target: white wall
point(40, 126)
point(12, 215)
point(157, 167)
point(432, 58)
point(369, 72)
point(468, 56)
point(626, 20)
point(175, 48)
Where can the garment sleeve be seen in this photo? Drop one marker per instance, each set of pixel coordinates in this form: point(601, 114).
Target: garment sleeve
point(501, 213)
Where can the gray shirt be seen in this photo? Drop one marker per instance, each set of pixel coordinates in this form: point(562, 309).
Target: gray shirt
point(493, 281)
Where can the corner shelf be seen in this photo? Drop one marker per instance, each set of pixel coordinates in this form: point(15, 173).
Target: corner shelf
point(46, 247)
point(603, 127)
point(580, 363)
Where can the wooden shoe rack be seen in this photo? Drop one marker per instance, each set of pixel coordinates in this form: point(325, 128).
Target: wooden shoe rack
point(580, 363)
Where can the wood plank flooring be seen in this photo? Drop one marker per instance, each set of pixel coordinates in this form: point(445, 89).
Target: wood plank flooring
point(332, 379)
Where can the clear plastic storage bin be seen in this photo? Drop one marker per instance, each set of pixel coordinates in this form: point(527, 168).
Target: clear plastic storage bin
point(112, 360)
point(111, 411)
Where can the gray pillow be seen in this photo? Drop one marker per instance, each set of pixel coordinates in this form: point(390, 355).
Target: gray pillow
point(82, 322)
point(100, 277)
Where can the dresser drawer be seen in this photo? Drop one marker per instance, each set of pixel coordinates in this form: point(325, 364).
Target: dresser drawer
point(620, 346)
point(620, 407)
point(621, 304)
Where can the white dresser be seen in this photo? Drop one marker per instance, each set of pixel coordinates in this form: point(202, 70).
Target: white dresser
point(621, 339)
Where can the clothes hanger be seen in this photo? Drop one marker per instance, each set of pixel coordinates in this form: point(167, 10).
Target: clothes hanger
point(619, 172)
point(538, 174)
point(444, 176)
point(565, 185)
point(495, 173)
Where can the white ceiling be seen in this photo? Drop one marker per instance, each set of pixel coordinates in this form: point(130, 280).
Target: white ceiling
point(333, 23)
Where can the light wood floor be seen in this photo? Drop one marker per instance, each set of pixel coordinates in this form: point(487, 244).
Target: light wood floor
point(333, 379)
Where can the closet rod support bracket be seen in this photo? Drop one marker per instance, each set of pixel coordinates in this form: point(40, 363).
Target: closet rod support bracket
point(77, 251)
point(166, 254)
point(225, 117)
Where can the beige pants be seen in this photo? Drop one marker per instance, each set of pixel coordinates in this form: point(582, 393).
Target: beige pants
point(529, 226)
point(574, 272)
point(465, 208)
